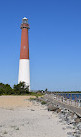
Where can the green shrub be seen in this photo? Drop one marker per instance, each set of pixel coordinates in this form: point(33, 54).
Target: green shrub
point(32, 99)
point(43, 102)
point(5, 89)
point(21, 89)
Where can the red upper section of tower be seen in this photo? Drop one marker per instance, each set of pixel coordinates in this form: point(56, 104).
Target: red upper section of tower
point(24, 52)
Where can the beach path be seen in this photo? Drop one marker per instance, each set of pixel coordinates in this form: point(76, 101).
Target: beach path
point(20, 117)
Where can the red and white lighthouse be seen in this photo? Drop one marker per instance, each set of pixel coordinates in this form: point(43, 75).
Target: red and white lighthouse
point(24, 64)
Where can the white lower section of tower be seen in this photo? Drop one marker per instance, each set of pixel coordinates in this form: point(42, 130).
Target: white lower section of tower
point(24, 71)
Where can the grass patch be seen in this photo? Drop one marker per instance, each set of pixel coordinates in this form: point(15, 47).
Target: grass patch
point(35, 94)
point(31, 99)
point(43, 102)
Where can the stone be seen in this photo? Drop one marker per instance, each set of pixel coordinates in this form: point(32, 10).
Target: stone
point(51, 107)
point(75, 116)
point(77, 120)
point(58, 110)
point(79, 126)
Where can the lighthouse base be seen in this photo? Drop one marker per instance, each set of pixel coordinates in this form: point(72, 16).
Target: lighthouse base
point(24, 72)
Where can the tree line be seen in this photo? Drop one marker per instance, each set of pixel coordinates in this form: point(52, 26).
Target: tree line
point(18, 89)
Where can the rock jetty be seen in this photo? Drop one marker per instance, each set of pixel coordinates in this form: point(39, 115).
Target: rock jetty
point(66, 114)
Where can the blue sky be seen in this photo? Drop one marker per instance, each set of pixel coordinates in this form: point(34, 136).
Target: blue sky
point(54, 40)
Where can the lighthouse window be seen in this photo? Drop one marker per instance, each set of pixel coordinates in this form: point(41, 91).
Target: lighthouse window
point(24, 21)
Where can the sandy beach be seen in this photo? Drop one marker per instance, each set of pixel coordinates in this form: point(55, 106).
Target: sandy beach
point(20, 117)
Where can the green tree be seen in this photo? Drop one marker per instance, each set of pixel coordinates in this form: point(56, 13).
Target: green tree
point(5, 89)
point(46, 89)
point(21, 89)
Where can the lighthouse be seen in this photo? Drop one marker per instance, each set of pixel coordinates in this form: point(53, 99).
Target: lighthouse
point(24, 63)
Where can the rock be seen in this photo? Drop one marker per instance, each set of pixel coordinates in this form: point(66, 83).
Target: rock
point(64, 128)
point(69, 127)
point(72, 121)
point(71, 114)
point(58, 110)
point(78, 132)
point(79, 126)
point(48, 103)
point(70, 133)
point(77, 120)
point(51, 107)
point(32, 110)
point(76, 135)
point(75, 116)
